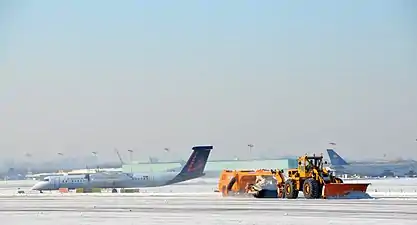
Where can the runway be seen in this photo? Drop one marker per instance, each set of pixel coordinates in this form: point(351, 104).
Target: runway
point(197, 204)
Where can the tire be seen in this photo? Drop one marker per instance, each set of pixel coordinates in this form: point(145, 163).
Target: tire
point(259, 194)
point(290, 190)
point(266, 194)
point(230, 185)
point(311, 189)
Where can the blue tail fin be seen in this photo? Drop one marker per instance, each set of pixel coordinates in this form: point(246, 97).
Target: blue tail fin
point(195, 165)
point(335, 158)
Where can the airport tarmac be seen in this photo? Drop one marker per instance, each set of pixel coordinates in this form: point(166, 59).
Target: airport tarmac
point(196, 203)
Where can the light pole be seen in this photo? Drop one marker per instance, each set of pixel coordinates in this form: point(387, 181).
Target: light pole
point(130, 155)
point(29, 157)
point(96, 159)
point(167, 151)
point(60, 154)
point(250, 148)
point(131, 159)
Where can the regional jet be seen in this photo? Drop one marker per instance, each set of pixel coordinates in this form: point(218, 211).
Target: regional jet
point(194, 168)
point(371, 169)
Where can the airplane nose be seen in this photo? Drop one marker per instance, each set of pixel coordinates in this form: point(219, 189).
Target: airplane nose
point(35, 187)
point(38, 186)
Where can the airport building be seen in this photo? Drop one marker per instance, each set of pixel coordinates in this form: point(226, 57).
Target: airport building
point(215, 166)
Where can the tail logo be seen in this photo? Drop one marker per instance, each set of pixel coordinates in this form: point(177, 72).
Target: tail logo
point(194, 165)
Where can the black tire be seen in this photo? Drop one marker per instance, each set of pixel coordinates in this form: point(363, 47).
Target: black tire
point(231, 183)
point(290, 190)
point(311, 189)
point(259, 194)
point(266, 194)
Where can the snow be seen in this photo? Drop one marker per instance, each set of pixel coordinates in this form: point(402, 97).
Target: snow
point(198, 204)
point(354, 195)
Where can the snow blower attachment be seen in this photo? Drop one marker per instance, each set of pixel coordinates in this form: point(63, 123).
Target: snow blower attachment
point(310, 177)
point(257, 183)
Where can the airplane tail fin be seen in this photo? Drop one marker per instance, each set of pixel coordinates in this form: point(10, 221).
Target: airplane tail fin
point(195, 165)
point(336, 159)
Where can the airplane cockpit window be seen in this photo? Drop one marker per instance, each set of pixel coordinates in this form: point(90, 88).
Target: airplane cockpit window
point(46, 179)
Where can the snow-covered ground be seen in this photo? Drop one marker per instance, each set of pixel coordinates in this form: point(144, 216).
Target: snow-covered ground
point(196, 203)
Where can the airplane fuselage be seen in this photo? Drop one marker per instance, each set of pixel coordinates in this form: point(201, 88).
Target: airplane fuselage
point(120, 180)
point(374, 170)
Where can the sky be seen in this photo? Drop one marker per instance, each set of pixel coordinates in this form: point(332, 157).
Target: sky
point(286, 76)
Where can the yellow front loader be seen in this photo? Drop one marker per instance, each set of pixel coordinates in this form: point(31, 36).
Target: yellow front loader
point(315, 181)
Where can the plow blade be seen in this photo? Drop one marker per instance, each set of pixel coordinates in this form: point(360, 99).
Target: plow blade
point(345, 190)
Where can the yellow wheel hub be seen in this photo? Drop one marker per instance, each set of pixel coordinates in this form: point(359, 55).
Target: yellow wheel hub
point(307, 189)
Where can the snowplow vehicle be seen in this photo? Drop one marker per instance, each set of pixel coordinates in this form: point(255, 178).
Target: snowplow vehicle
point(315, 181)
point(310, 177)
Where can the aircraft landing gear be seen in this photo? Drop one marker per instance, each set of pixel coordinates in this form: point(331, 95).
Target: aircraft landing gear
point(114, 190)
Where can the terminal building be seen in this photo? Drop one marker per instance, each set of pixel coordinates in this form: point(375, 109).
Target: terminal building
point(214, 167)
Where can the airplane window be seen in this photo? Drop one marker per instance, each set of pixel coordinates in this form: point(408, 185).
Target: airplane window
point(46, 179)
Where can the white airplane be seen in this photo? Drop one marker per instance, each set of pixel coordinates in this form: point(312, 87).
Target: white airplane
point(371, 169)
point(194, 168)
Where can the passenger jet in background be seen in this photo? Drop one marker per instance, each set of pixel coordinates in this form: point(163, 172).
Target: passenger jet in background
point(194, 168)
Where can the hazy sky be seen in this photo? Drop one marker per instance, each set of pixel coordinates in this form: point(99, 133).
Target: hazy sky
point(286, 76)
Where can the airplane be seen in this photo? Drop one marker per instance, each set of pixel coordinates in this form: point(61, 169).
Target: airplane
point(194, 168)
point(371, 169)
